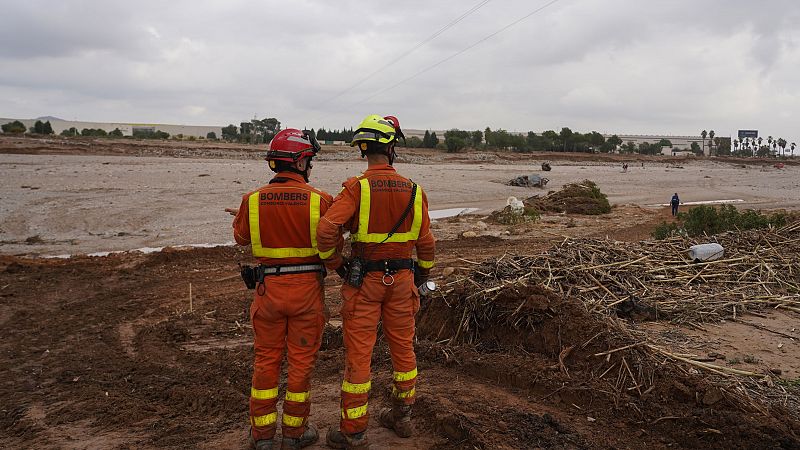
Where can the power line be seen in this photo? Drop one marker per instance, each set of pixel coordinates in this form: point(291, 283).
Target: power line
point(433, 36)
point(476, 43)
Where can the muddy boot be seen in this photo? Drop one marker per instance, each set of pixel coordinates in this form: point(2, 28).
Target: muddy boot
point(310, 436)
point(337, 439)
point(262, 444)
point(398, 418)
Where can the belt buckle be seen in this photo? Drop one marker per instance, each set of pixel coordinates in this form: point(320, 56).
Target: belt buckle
point(388, 276)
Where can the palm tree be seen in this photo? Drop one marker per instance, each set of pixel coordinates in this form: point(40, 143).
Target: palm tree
point(782, 145)
point(703, 135)
point(769, 139)
point(759, 142)
point(710, 142)
point(793, 145)
point(736, 144)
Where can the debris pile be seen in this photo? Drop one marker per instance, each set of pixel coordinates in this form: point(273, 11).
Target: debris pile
point(533, 180)
point(760, 270)
point(576, 198)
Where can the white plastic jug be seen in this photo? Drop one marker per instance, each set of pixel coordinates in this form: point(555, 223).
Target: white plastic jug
point(517, 207)
point(706, 252)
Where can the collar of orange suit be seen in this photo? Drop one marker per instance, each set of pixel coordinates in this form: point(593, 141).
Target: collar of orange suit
point(291, 176)
point(380, 167)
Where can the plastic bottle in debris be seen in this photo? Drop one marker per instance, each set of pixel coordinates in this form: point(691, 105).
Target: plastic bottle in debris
point(427, 288)
point(517, 207)
point(706, 252)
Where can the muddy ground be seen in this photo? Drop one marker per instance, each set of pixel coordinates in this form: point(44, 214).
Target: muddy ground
point(105, 352)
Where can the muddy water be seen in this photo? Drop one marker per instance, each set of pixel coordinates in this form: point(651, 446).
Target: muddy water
point(65, 204)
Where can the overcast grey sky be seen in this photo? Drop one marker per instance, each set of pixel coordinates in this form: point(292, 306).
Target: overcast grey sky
point(625, 66)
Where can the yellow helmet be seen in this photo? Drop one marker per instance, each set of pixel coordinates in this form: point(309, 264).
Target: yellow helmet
point(374, 128)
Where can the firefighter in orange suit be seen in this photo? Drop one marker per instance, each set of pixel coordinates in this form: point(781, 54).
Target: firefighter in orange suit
point(387, 216)
point(279, 222)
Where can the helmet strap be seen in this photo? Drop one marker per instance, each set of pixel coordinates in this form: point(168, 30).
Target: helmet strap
point(391, 153)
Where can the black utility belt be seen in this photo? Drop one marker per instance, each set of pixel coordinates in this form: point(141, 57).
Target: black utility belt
point(388, 265)
point(253, 276)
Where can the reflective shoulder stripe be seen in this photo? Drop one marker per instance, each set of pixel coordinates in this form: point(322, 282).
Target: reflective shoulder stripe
point(255, 233)
point(315, 205)
point(403, 394)
point(262, 421)
point(355, 413)
point(405, 376)
point(283, 252)
point(363, 212)
point(363, 234)
point(263, 394)
point(425, 264)
point(360, 388)
point(299, 397)
point(292, 421)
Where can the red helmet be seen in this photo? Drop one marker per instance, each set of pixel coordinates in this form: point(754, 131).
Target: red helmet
point(291, 145)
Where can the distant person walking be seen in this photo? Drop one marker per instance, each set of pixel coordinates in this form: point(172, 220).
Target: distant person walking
point(675, 202)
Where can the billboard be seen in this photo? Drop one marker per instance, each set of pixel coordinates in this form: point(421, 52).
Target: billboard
point(752, 134)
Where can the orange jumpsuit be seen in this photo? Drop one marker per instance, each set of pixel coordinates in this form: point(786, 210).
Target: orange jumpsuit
point(369, 206)
point(288, 310)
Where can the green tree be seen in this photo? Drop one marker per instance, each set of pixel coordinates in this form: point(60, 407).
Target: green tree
point(476, 138)
point(566, 138)
point(710, 142)
point(782, 145)
point(15, 127)
point(487, 136)
point(116, 133)
point(414, 142)
point(230, 133)
point(211, 135)
point(696, 148)
point(72, 131)
point(37, 128)
point(704, 134)
point(47, 128)
point(426, 140)
point(434, 140)
point(456, 140)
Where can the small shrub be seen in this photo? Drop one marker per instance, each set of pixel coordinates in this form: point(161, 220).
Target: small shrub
point(710, 220)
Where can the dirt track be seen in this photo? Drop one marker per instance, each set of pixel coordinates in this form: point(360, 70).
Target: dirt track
point(103, 352)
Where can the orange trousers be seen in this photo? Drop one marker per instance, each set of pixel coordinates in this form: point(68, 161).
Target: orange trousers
point(362, 309)
point(289, 315)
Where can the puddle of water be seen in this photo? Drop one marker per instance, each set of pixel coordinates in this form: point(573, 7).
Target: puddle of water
point(450, 212)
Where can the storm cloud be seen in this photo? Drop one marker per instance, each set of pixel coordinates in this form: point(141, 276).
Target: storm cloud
point(624, 66)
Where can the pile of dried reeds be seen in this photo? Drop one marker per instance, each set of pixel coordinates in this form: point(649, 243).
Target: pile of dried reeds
point(760, 269)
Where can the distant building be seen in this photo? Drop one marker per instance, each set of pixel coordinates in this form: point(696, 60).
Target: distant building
point(142, 130)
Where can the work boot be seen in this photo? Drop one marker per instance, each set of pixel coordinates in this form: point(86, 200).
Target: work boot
point(310, 436)
point(261, 444)
point(336, 439)
point(397, 418)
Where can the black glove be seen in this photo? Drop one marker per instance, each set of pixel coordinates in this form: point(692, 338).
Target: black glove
point(343, 269)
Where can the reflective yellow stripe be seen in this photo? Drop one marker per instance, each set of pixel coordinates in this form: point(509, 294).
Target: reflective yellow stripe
point(355, 413)
point(361, 388)
point(298, 396)
point(292, 421)
point(315, 201)
point(262, 421)
point(328, 253)
point(405, 376)
point(424, 264)
point(263, 394)
point(363, 234)
point(285, 252)
point(403, 394)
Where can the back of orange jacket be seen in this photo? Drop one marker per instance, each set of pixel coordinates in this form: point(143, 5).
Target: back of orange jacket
point(287, 220)
point(388, 197)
